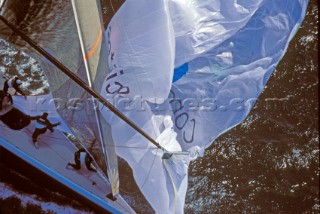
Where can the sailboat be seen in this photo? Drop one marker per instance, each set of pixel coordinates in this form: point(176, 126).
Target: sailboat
point(96, 187)
point(155, 86)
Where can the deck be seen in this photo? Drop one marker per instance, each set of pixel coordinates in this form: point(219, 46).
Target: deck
point(54, 152)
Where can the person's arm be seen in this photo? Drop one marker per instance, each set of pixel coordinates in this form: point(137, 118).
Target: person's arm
point(34, 117)
point(17, 88)
point(55, 124)
point(50, 125)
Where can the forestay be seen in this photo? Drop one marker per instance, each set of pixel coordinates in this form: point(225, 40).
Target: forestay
point(227, 49)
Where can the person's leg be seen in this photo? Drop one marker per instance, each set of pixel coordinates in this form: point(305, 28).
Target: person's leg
point(18, 90)
point(75, 166)
point(35, 135)
point(88, 161)
point(91, 169)
point(5, 86)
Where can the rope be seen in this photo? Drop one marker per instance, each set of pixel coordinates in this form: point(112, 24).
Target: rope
point(27, 131)
point(57, 138)
point(131, 193)
point(112, 6)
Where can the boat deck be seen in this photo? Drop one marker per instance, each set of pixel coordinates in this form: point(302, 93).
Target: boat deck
point(54, 152)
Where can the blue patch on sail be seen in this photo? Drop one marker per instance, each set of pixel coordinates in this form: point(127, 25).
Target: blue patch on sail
point(179, 72)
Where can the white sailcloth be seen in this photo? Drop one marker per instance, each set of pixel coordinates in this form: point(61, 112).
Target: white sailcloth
point(228, 49)
point(228, 70)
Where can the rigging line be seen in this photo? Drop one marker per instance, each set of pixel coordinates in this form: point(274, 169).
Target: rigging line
point(112, 6)
point(138, 83)
point(149, 113)
point(145, 181)
point(99, 170)
point(97, 166)
point(140, 90)
point(65, 139)
point(85, 58)
point(76, 79)
point(28, 131)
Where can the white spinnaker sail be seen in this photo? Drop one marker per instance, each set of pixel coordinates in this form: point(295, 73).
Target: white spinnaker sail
point(141, 56)
point(141, 44)
point(230, 49)
point(89, 23)
point(229, 76)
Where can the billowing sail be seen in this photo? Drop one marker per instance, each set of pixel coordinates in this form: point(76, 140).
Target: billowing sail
point(185, 71)
point(90, 30)
point(223, 54)
point(141, 57)
point(141, 44)
point(53, 27)
point(227, 69)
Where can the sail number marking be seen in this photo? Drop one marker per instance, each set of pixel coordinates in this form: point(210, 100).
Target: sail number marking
point(182, 120)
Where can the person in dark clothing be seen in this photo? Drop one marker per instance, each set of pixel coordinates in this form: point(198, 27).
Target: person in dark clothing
point(5, 100)
point(88, 160)
point(14, 83)
point(42, 124)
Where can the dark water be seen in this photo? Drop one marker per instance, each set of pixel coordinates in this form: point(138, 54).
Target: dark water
point(267, 164)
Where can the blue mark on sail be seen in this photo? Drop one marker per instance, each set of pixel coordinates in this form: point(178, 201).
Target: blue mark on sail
point(179, 72)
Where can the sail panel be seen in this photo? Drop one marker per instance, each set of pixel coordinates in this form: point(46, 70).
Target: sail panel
point(226, 70)
point(90, 30)
point(227, 80)
point(52, 26)
point(1, 5)
point(141, 44)
point(94, 50)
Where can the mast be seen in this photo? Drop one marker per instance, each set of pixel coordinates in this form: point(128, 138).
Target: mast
point(76, 79)
point(90, 34)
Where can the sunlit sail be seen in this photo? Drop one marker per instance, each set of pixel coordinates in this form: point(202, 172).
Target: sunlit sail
point(222, 54)
point(90, 30)
point(58, 28)
point(184, 72)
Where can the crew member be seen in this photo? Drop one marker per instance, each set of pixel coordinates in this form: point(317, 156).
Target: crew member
point(42, 124)
point(88, 160)
point(5, 100)
point(14, 83)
